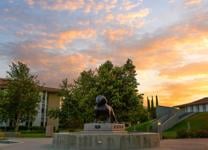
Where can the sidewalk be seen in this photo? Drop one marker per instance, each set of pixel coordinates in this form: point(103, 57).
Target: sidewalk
point(184, 144)
point(28, 144)
point(45, 144)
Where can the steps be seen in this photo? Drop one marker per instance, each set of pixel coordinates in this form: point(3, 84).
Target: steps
point(175, 119)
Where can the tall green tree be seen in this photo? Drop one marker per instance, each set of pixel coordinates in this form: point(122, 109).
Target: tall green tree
point(3, 103)
point(148, 105)
point(117, 83)
point(157, 103)
point(153, 109)
point(23, 94)
point(69, 114)
point(131, 99)
point(152, 104)
point(85, 91)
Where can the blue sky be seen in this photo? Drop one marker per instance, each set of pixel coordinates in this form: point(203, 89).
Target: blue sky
point(166, 39)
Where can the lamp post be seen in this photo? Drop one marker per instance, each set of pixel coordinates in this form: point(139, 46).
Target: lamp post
point(159, 128)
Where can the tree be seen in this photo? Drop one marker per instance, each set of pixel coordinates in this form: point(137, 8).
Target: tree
point(153, 109)
point(69, 114)
point(85, 90)
point(117, 83)
point(157, 103)
point(23, 94)
point(130, 98)
point(3, 103)
point(152, 104)
point(148, 105)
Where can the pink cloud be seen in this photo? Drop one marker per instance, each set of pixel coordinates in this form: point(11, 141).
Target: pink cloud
point(164, 51)
point(129, 18)
point(69, 36)
point(58, 5)
point(114, 35)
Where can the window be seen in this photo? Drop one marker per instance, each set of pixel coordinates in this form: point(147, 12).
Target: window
point(42, 111)
point(197, 108)
point(41, 124)
point(191, 108)
point(204, 108)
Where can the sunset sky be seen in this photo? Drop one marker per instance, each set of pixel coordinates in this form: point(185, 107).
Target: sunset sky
point(166, 39)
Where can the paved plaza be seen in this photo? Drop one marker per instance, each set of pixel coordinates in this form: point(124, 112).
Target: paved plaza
point(45, 144)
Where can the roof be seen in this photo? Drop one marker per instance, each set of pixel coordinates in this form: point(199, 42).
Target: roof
point(198, 102)
point(49, 89)
point(4, 82)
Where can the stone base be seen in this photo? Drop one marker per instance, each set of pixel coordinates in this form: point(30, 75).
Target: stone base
point(112, 127)
point(49, 131)
point(105, 141)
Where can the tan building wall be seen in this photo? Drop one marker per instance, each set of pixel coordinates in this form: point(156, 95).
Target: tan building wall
point(53, 103)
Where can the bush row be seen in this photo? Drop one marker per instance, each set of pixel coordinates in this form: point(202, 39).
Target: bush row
point(2, 136)
point(192, 134)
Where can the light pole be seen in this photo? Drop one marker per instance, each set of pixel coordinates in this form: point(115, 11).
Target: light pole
point(159, 128)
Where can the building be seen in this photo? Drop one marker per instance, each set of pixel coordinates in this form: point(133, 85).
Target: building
point(49, 99)
point(196, 106)
point(167, 117)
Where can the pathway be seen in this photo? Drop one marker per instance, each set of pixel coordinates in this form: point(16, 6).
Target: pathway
point(45, 144)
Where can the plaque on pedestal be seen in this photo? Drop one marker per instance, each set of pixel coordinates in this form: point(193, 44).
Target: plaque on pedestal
point(112, 127)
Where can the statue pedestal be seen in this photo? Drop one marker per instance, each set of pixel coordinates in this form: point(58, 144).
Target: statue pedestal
point(105, 136)
point(111, 127)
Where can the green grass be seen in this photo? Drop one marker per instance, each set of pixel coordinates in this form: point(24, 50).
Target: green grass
point(169, 134)
point(143, 127)
point(32, 135)
point(193, 123)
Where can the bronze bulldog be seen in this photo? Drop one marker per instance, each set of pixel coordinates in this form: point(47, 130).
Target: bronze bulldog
point(103, 111)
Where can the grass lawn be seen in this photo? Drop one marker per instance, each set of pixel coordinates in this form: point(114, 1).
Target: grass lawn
point(22, 134)
point(197, 122)
point(169, 134)
point(143, 127)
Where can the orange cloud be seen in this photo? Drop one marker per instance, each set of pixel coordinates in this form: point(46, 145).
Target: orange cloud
point(184, 92)
point(160, 56)
point(179, 57)
point(193, 69)
point(54, 68)
point(86, 6)
point(117, 34)
point(128, 18)
point(73, 5)
point(96, 6)
point(127, 5)
point(134, 15)
point(71, 35)
point(58, 5)
point(192, 2)
point(173, 46)
point(61, 39)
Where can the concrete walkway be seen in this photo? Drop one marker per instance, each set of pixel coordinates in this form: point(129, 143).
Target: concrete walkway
point(45, 144)
point(28, 144)
point(184, 144)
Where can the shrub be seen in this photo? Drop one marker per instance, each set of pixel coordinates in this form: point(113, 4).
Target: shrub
point(200, 133)
point(2, 135)
point(182, 133)
point(192, 134)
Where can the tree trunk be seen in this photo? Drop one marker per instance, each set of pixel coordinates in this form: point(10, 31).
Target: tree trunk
point(16, 129)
